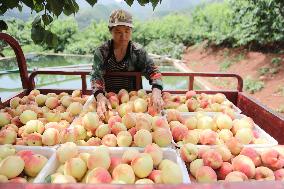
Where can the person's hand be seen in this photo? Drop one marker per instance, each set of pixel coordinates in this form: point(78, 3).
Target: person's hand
point(157, 101)
point(102, 105)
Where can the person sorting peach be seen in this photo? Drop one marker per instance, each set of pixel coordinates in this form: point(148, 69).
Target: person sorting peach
point(121, 54)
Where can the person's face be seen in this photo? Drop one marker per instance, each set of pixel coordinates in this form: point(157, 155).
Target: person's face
point(121, 35)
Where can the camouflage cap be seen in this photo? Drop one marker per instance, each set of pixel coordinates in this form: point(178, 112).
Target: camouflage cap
point(120, 18)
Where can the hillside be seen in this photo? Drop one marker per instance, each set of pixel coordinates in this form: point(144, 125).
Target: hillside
point(262, 73)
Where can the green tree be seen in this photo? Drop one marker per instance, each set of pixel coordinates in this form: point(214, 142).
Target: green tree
point(48, 10)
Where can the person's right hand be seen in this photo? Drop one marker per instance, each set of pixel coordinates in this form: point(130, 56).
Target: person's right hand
point(102, 105)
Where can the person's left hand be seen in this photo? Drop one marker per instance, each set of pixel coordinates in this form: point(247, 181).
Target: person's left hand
point(157, 101)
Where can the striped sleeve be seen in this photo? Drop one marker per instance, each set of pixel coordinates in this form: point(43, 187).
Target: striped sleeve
point(150, 70)
point(97, 79)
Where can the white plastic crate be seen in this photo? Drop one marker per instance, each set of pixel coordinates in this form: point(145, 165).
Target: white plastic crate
point(49, 153)
point(168, 153)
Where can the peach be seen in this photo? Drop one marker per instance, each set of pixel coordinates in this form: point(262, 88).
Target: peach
point(6, 150)
point(195, 165)
point(84, 156)
point(244, 164)
point(173, 115)
point(98, 175)
point(140, 105)
point(123, 96)
point(144, 181)
point(225, 134)
point(34, 126)
point(34, 164)
point(16, 121)
point(191, 123)
point(66, 151)
point(82, 133)
point(114, 101)
point(208, 136)
point(40, 99)
point(141, 93)
point(94, 141)
point(124, 139)
point(272, 159)
point(219, 98)
point(76, 93)
point(182, 108)
point(236, 176)
point(114, 161)
point(159, 122)
point(124, 172)
point(192, 104)
point(245, 136)
point(252, 154)
point(142, 122)
point(50, 137)
point(11, 127)
point(142, 138)
point(33, 139)
point(112, 120)
point(3, 179)
point(132, 131)
point(224, 151)
point(75, 108)
point(279, 174)
point(91, 121)
point(171, 173)
point(224, 170)
point(223, 121)
point(69, 134)
point(99, 158)
point(156, 176)
point(63, 179)
point(25, 154)
point(212, 159)
point(179, 132)
point(118, 127)
point(109, 140)
point(205, 122)
point(264, 173)
point(234, 146)
point(190, 94)
point(129, 154)
point(75, 167)
point(125, 108)
point(162, 137)
point(171, 105)
point(142, 165)
point(103, 130)
point(189, 152)
point(66, 101)
point(52, 116)
point(129, 120)
point(192, 137)
point(155, 152)
point(52, 102)
point(205, 174)
point(14, 102)
point(11, 166)
point(8, 136)
point(27, 115)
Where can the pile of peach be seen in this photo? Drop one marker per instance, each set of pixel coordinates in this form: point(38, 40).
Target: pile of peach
point(211, 130)
point(32, 119)
point(139, 101)
point(192, 102)
point(241, 164)
point(133, 129)
point(19, 167)
point(99, 166)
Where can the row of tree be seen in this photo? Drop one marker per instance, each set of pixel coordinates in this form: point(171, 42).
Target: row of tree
point(253, 24)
